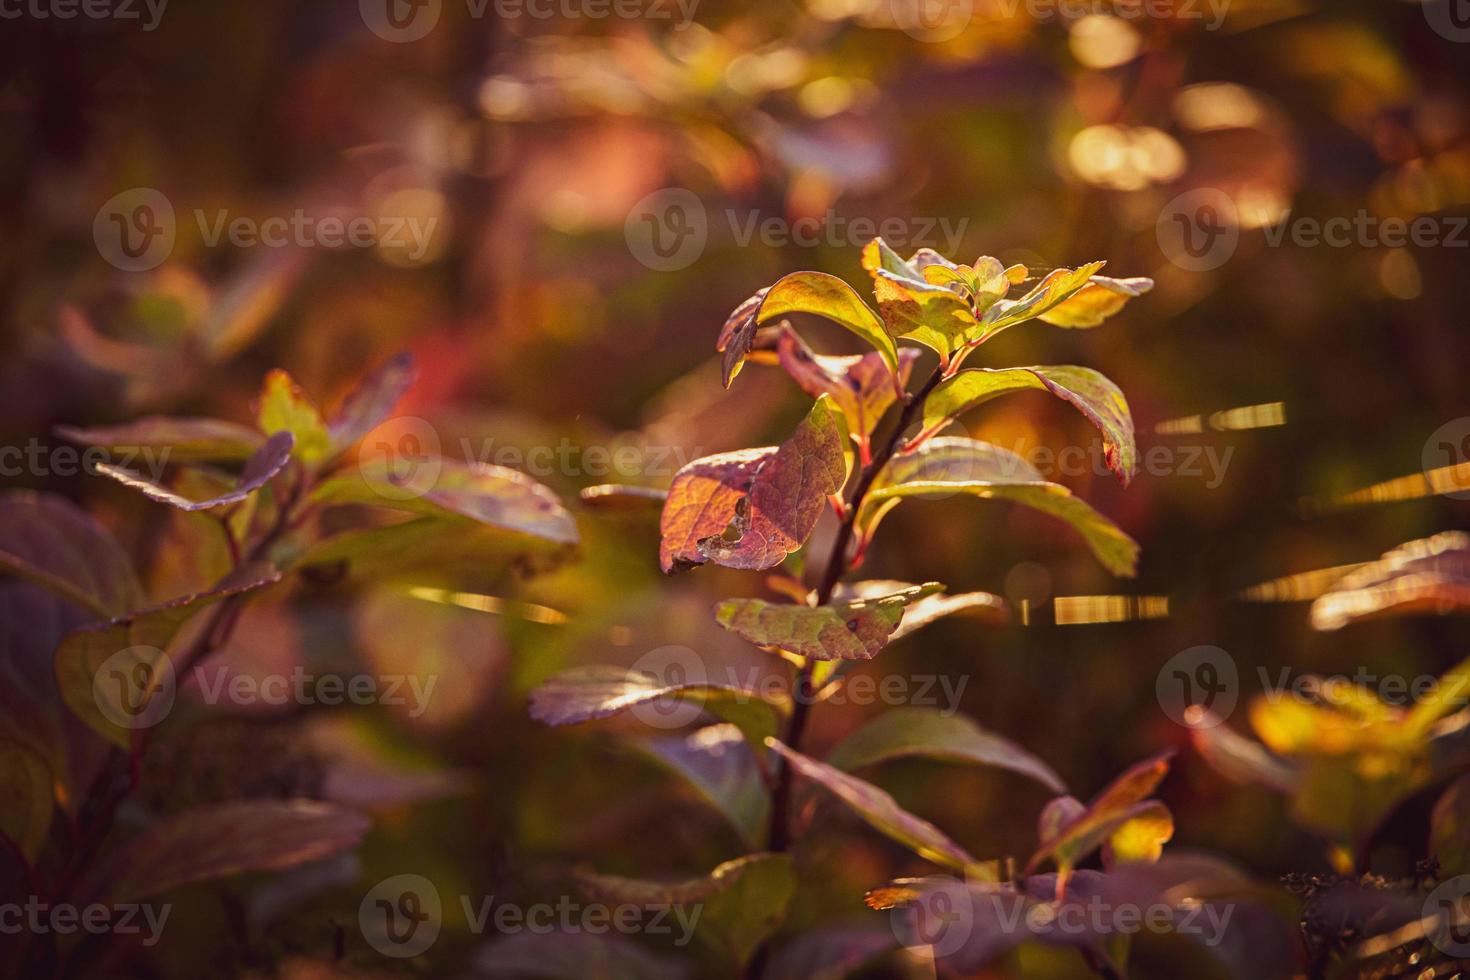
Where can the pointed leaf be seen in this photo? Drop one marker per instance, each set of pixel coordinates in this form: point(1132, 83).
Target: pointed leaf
point(225, 839)
point(487, 494)
point(1095, 302)
point(830, 297)
point(259, 470)
point(1431, 575)
point(738, 334)
point(1068, 835)
point(861, 385)
point(141, 639)
point(1090, 391)
point(953, 465)
point(748, 908)
point(1059, 285)
point(371, 401)
point(284, 407)
point(930, 733)
point(854, 630)
point(176, 440)
point(882, 812)
point(701, 503)
point(720, 763)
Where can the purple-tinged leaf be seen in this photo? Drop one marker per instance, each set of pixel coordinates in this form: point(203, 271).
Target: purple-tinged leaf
point(1068, 835)
point(721, 765)
point(371, 401)
point(1431, 575)
point(616, 497)
point(442, 545)
point(861, 385)
point(883, 813)
point(787, 495)
point(51, 543)
point(701, 503)
point(224, 839)
point(1089, 391)
point(738, 334)
point(930, 733)
point(1239, 758)
point(176, 440)
point(259, 469)
point(26, 796)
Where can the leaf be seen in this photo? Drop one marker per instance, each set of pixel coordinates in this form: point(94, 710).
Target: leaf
point(918, 306)
point(1089, 391)
point(224, 839)
point(1239, 758)
point(720, 763)
point(984, 606)
point(1095, 302)
point(616, 497)
point(1058, 286)
point(284, 407)
point(742, 902)
point(738, 334)
point(26, 797)
point(752, 508)
point(948, 465)
point(443, 545)
point(259, 469)
point(177, 440)
point(830, 297)
point(371, 401)
point(860, 385)
point(1449, 830)
point(589, 693)
point(1140, 838)
point(746, 911)
point(239, 311)
point(1069, 835)
point(143, 636)
point(52, 543)
point(854, 630)
point(931, 734)
point(701, 504)
point(882, 812)
point(482, 492)
point(1431, 575)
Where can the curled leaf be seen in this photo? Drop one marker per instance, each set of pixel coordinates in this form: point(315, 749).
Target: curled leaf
point(860, 385)
point(259, 469)
point(1091, 305)
point(1431, 575)
point(371, 401)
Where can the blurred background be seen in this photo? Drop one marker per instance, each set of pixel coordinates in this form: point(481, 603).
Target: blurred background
point(557, 209)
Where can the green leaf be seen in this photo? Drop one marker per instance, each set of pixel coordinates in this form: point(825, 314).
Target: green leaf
point(720, 763)
point(442, 545)
point(830, 297)
point(883, 813)
point(1095, 302)
point(947, 466)
point(131, 649)
point(481, 492)
point(787, 494)
point(259, 470)
point(746, 911)
point(589, 693)
point(1449, 830)
point(1069, 833)
point(984, 606)
point(1090, 391)
point(913, 307)
point(284, 407)
point(854, 630)
point(931, 734)
point(175, 440)
point(224, 839)
point(26, 797)
point(1051, 292)
point(860, 385)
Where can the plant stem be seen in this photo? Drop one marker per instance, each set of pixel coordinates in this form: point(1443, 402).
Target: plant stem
point(778, 835)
